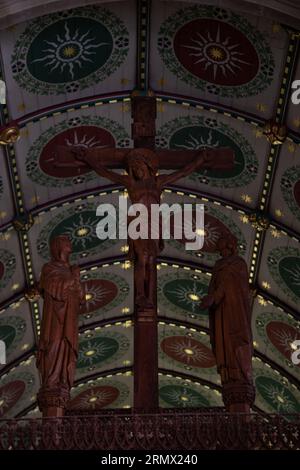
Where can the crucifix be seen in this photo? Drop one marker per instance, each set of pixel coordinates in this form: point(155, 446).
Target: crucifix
point(144, 186)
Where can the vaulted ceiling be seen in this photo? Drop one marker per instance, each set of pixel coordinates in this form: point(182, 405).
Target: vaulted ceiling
point(219, 74)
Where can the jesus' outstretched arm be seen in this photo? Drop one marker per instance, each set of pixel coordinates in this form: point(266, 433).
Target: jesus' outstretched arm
point(205, 159)
point(93, 162)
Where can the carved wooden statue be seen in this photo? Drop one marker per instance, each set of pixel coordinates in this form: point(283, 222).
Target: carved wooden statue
point(144, 186)
point(58, 345)
point(228, 301)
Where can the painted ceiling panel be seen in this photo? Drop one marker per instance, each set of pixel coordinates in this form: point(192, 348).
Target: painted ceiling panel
point(293, 114)
point(99, 126)
point(16, 330)
point(186, 351)
point(69, 55)
point(217, 55)
point(6, 197)
point(105, 348)
point(12, 279)
point(103, 393)
point(79, 222)
point(18, 388)
point(108, 293)
point(274, 393)
point(192, 129)
point(217, 82)
point(285, 200)
point(274, 332)
point(179, 293)
point(218, 221)
point(175, 392)
point(280, 268)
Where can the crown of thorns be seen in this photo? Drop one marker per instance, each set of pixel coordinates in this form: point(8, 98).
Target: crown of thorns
point(146, 156)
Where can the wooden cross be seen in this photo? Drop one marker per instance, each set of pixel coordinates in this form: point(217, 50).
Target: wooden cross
point(102, 160)
point(143, 112)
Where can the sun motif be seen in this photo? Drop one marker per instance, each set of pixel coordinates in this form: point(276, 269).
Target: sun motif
point(187, 351)
point(194, 297)
point(94, 294)
point(190, 296)
point(285, 338)
point(84, 141)
point(279, 398)
point(220, 55)
point(196, 143)
point(183, 397)
point(294, 274)
point(216, 53)
point(95, 351)
point(82, 231)
point(9, 394)
point(70, 51)
point(96, 397)
point(211, 234)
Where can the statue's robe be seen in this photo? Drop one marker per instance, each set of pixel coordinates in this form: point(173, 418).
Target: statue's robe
point(230, 320)
point(58, 345)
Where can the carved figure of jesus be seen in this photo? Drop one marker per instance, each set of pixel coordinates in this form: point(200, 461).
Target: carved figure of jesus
point(144, 186)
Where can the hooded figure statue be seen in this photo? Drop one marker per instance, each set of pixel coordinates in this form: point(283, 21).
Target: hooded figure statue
point(228, 301)
point(62, 292)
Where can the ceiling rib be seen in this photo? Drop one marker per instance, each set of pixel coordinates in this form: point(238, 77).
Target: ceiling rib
point(143, 42)
point(20, 214)
point(115, 97)
point(280, 112)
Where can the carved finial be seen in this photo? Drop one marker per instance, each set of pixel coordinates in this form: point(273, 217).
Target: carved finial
point(259, 221)
point(9, 134)
point(32, 294)
point(275, 133)
point(24, 222)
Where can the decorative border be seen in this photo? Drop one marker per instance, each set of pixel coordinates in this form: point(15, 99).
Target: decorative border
point(9, 262)
point(121, 47)
point(250, 171)
point(35, 173)
point(19, 325)
point(171, 25)
point(289, 178)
